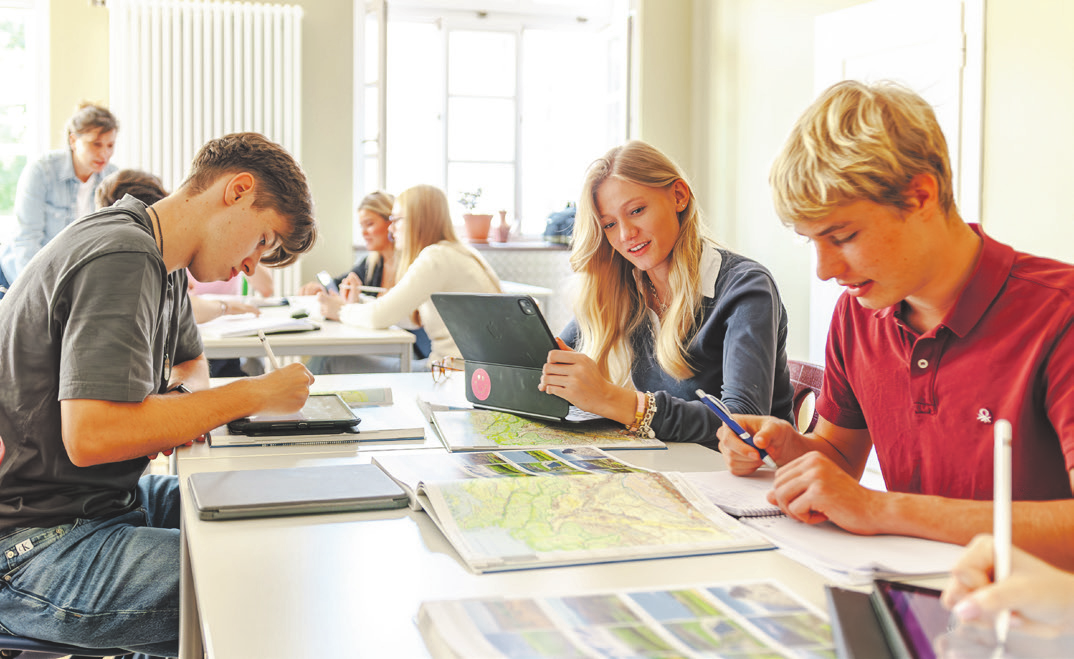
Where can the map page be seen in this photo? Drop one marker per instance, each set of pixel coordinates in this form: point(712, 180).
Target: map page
point(512, 523)
point(486, 430)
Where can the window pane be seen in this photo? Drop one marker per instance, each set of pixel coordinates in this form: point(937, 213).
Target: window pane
point(481, 63)
point(415, 140)
point(17, 98)
point(497, 183)
point(481, 129)
point(567, 81)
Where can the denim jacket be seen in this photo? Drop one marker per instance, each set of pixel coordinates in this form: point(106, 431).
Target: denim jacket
point(46, 201)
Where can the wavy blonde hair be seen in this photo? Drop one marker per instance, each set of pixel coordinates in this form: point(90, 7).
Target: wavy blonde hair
point(609, 306)
point(859, 141)
point(379, 202)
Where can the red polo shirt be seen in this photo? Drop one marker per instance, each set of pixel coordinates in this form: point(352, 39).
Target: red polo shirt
point(929, 400)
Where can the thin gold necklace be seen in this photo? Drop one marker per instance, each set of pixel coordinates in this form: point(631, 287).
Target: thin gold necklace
point(656, 296)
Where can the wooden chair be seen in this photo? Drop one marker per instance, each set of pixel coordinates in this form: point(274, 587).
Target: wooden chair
point(806, 379)
point(31, 648)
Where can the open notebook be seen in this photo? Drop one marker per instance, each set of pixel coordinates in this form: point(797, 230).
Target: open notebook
point(840, 555)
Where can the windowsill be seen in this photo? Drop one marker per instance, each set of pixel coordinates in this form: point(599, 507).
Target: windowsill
point(534, 244)
point(525, 243)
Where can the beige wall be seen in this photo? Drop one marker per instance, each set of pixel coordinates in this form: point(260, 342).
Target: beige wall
point(78, 57)
point(754, 63)
point(664, 76)
point(754, 76)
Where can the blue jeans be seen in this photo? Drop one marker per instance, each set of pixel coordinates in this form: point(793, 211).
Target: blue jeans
point(99, 583)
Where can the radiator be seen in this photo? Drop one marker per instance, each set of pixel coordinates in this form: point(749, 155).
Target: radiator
point(183, 72)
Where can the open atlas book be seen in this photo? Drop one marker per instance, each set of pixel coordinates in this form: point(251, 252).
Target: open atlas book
point(582, 515)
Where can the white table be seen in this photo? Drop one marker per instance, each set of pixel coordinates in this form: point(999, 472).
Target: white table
point(349, 584)
point(334, 338)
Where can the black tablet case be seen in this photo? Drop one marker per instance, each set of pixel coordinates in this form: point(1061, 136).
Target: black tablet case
point(499, 337)
point(855, 626)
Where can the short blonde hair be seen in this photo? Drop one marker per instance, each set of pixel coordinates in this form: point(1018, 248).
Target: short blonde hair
point(859, 141)
point(379, 202)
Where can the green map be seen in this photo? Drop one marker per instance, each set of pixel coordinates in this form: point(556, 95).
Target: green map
point(466, 430)
point(549, 520)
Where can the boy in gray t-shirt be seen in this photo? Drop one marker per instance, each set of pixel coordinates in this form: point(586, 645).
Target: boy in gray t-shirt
point(97, 332)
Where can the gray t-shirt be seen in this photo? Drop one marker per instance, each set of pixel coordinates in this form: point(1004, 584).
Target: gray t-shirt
point(94, 315)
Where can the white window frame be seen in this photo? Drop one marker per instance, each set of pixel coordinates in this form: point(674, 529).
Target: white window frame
point(489, 15)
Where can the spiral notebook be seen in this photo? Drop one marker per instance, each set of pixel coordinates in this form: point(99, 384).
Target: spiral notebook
point(738, 496)
point(841, 556)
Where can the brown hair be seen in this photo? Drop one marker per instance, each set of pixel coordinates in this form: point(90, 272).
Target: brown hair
point(281, 186)
point(143, 186)
point(89, 117)
point(859, 141)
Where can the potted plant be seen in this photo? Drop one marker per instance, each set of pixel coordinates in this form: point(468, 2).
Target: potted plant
point(477, 224)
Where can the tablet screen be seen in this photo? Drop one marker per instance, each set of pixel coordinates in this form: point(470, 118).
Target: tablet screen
point(318, 407)
point(918, 614)
point(321, 413)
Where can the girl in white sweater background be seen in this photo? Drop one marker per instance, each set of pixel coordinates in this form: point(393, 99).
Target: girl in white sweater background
point(429, 259)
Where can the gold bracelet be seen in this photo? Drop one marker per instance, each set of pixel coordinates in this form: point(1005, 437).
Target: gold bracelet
point(641, 428)
point(639, 412)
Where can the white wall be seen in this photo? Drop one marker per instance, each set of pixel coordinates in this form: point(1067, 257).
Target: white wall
point(757, 74)
point(754, 74)
point(1029, 128)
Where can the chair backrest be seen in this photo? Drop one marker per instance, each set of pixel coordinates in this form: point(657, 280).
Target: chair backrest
point(806, 379)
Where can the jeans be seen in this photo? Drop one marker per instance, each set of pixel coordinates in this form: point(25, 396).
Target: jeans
point(97, 583)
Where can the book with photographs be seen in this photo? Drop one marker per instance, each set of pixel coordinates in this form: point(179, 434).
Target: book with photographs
point(487, 430)
point(411, 470)
point(551, 520)
point(838, 554)
point(735, 619)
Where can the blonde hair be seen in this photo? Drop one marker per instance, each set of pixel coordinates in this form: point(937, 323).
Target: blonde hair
point(379, 202)
point(609, 307)
point(859, 141)
point(428, 221)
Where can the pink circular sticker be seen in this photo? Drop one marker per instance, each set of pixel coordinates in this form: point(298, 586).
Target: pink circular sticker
point(480, 383)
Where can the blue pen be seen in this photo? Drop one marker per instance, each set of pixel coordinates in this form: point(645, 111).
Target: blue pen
point(717, 406)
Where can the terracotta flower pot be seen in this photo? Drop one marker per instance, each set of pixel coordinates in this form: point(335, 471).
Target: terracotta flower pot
point(477, 226)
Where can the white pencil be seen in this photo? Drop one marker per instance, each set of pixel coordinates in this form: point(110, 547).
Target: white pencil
point(268, 350)
point(1001, 518)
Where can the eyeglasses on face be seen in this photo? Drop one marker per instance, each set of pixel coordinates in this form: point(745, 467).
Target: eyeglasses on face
point(442, 368)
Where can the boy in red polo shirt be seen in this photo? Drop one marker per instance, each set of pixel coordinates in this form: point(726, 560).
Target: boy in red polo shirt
point(940, 331)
